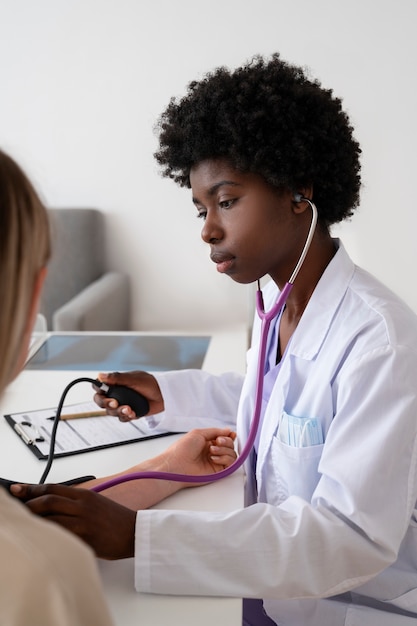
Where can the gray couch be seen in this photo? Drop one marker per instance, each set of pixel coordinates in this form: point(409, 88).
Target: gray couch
point(80, 293)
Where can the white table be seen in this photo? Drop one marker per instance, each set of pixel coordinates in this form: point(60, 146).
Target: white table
point(39, 389)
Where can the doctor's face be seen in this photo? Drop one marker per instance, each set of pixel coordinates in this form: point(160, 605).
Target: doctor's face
point(250, 226)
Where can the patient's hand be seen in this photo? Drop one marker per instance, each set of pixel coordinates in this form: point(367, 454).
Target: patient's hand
point(201, 451)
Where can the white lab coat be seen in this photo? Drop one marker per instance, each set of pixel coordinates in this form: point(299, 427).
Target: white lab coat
point(332, 536)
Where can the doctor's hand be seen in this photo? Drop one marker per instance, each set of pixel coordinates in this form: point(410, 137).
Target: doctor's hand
point(143, 382)
point(107, 527)
point(201, 451)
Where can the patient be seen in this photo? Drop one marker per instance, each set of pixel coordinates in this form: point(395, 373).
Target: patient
point(47, 575)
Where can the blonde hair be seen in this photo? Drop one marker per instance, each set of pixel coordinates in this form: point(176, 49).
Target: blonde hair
point(24, 250)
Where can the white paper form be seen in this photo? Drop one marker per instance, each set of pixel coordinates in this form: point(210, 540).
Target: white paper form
point(80, 434)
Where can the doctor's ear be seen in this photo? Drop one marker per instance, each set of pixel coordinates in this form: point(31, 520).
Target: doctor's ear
point(299, 197)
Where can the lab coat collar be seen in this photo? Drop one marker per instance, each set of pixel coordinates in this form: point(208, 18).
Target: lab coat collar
point(323, 305)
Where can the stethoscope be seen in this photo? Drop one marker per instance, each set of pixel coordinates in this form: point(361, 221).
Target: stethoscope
point(266, 318)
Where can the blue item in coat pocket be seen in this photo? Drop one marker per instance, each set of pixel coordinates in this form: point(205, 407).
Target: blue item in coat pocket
point(300, 432)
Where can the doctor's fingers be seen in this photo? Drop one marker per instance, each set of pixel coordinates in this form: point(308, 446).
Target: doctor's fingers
point(50, 499)
point(89, 515)
point(28, 492)
point(142, 382)
point(111, 406)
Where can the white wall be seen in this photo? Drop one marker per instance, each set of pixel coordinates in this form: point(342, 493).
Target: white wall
point(83, 81)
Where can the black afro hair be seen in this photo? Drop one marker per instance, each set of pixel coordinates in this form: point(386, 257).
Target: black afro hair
point(269, 118)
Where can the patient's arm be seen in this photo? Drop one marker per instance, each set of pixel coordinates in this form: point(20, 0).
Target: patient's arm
point(199, 452)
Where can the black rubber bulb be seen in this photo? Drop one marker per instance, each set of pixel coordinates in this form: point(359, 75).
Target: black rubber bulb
point(126, 395)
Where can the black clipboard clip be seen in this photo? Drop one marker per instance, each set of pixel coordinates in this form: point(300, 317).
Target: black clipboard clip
point(28, 433)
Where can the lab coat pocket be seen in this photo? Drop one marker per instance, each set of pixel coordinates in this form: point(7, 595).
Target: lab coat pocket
point(296, 469)
point(300, 431)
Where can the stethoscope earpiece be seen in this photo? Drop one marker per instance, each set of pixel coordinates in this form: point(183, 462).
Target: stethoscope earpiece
point(298, 197)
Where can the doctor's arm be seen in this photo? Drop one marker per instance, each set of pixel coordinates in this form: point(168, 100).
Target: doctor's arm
point(180, 400)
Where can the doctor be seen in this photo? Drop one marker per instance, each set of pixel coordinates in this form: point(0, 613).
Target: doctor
point(329, 533)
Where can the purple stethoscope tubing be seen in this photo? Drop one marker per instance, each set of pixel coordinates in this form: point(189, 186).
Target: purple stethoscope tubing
point(266, 318)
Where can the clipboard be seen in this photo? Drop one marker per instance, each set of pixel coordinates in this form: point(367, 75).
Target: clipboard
point(75, 436)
